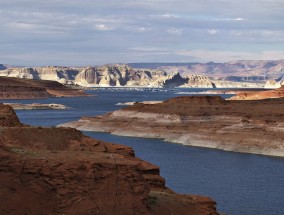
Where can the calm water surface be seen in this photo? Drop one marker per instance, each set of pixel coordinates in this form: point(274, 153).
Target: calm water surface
point(240, 183)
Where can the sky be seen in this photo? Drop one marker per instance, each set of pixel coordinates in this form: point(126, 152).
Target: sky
point(95, 32)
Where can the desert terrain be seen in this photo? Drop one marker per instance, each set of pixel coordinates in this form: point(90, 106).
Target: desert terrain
point(248, 126)
point(61, 171)
point(16, 88)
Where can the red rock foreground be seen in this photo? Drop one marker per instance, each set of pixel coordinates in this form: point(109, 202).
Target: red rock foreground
point(14, 88)
point(240, 126)
point(60, 171)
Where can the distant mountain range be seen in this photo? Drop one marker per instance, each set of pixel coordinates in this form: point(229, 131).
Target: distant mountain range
point(233, 74)
point(120, 75)
point(242, 70)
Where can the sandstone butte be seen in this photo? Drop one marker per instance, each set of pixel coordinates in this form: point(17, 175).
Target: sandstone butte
point(15, 88)
point(61, 171)
point(248, 126)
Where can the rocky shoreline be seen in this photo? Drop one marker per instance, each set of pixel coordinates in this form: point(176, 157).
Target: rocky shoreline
point(61, 171)
point(36, 106)
point(240, 126)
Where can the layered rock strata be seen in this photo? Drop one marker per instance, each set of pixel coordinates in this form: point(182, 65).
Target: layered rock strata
point(61, 171)
point(15, 88)
point(240, 126)
point(259, 95)
point(119, 75)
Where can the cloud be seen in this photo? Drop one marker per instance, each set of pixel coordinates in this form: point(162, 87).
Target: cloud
point(102, 27)
point(35, 30)
point(212, 31)
point(165, 16)
point(224, 56)
point(230, 19)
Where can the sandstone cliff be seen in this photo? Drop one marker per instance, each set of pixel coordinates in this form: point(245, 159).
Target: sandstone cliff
point(275, 83)
point(60, 171)
point(119, 75)
point(15, 88)
point(63, 75)
point(204, 121)
point(116, 75)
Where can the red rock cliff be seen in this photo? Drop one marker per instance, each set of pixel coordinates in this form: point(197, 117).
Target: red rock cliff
point(61, 171)
point(14, 88)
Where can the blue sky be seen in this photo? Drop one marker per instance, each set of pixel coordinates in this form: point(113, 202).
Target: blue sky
point(93, 32)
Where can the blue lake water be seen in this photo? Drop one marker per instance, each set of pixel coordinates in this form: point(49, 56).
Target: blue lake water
point(240, 183)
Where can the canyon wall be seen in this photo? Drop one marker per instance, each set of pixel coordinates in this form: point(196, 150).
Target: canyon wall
point(61, 171)
point(118, 75)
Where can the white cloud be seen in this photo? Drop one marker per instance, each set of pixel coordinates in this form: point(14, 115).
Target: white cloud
point(231, 19)
point(102, 27)
point(212, 31)
point(165, 15)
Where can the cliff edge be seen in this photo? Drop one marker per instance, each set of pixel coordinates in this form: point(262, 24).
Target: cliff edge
point(15, 88)
point(61, 171)
point(206, 121)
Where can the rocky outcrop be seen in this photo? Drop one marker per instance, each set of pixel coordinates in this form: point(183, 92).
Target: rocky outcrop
point(143, 102)
point(36, 106)
point(116, 75)
point(8, 117)
point(119, 75)
point(199, 81)
point(15, 88)
point(240, 126)
point(63, 75)
point(171, 80)
point(260, 95)
point(273, 84)
point(61, 171)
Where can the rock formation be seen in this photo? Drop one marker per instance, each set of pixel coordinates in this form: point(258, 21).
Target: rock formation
point(277, 83)
point(36, 106)
point(260, 95)
point(171, 80)
point(63, 75)
point(116, 75)
point(119, 75)
point(204, 121)
point(15, 88)
point(60, 171)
